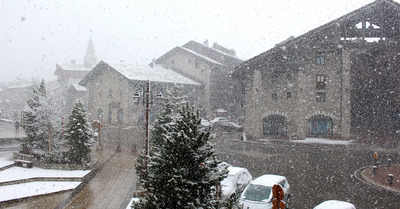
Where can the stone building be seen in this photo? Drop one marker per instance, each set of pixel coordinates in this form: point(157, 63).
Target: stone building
point(210, 66)
point(111, 88)
point(69, 75)
point(13, 99)
point(72, 73)
point(340, 80)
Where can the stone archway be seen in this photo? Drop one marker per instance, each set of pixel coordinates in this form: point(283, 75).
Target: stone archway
point(275, 125)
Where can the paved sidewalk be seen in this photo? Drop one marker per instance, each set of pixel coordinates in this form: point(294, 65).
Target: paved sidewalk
point(112, 187)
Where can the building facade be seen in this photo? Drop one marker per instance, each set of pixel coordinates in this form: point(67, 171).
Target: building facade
point(339, 80)
point(111, 96)
point(209, 65)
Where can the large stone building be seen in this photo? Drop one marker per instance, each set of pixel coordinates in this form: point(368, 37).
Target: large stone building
point(111, 88)
point(339, 80)
point(210, 66)
point(69, 75)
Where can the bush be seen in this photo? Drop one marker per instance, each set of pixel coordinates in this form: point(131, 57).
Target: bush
point(55, 157)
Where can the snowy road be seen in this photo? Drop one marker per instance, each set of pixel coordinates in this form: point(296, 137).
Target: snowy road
point(316, 172)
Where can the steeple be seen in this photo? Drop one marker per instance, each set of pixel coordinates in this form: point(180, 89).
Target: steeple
point(90, 58)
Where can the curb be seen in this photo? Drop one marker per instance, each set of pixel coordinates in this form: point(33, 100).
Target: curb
point(359, 174)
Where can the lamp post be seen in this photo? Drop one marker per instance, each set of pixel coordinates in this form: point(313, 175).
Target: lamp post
point(145, 92)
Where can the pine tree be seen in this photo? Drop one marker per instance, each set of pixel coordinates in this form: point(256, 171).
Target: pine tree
point(42, 119)
point(77, 134)
point(182, 168)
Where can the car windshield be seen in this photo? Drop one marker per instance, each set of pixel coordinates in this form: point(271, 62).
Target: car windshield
point(258, 193)
point(228, 181)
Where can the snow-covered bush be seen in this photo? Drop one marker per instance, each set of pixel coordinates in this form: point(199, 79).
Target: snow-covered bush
point(78, 133)
point(41, 121)
point(181, 169)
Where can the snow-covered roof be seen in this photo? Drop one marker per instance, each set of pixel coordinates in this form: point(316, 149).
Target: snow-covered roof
point(201, 56)
point(74, 67)
point(79, 87)
point(155, 74)
point(22, 85)
point(267, 180)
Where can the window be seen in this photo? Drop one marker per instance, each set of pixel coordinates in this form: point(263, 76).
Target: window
point(320, 96)
point(172, 62)
point(120, 116)
point(274, 77)
point(289, 95)
point(109, 116)
point(110, 93)
point(274, 95)
point(189, 61)
point(197, 63)
point(320, 60)
point(320, 81)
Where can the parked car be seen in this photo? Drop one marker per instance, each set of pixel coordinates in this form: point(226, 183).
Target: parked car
point(230, 126)
point(205, 123)
point(337, 204)
point(218, 120)
point(233, 185)
point(258, 194)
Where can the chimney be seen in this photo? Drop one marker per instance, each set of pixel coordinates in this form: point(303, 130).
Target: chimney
point(206, 42)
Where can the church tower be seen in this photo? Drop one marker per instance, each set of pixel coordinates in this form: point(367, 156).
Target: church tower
point(90, 58)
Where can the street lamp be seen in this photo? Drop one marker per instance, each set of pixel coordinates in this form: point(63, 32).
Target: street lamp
point(145, 92)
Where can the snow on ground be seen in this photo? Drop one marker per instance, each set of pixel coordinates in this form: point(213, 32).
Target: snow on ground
point(6, 158)
point(16, 191)
point(323, 141)
point(17, 173)
point(11, 192)
point(5, 162)
point(131, 202)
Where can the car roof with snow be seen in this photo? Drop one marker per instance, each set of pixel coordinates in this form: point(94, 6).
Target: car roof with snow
point(337, 204)
point(234, 170)
point(267, 180)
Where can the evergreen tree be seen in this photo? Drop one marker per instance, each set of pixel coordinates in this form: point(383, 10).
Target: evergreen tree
point(77, 135)
point(42, 119)
point(182, 169)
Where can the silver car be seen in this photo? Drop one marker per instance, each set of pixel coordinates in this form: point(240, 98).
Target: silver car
point(232, 186)
point(258, 194)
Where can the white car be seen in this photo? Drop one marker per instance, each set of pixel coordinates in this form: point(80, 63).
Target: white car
point(232, 186)
point(337, 204)
point(218, 120)
point(258, 194)
point(205, 123)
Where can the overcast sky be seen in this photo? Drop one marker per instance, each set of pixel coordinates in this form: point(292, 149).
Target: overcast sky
point(35, 35)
